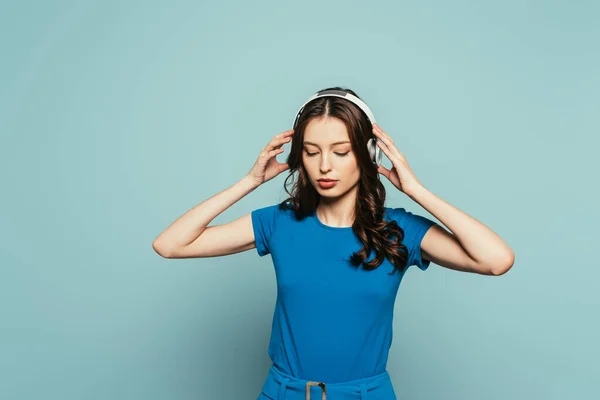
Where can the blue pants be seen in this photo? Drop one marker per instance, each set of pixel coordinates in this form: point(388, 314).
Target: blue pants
point(281, 386)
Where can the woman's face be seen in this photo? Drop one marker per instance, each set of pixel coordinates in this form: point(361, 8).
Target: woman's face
point(324, 157)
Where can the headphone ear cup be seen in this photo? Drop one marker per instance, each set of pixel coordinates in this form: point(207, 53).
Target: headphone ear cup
point(375, 151)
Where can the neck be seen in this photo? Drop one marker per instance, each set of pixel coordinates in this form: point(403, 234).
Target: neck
point(338, 211)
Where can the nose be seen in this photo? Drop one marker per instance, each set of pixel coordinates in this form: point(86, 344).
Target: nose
point(324, 165)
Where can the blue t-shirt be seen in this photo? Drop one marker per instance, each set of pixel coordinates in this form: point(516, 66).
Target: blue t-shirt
point(332, 321)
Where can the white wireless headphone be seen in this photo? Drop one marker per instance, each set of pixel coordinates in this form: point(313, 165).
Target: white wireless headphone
point(375, 151)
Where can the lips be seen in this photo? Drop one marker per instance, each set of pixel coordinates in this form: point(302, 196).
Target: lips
point(326, 180)
point(327, 184)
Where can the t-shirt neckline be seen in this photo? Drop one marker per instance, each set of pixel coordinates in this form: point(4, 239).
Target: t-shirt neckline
point(331, 228)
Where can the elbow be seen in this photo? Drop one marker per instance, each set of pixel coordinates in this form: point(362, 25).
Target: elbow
point(161, 249)
point(503, 267)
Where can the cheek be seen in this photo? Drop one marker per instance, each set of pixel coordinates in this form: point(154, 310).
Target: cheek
point(349, 163)
point(353, 170)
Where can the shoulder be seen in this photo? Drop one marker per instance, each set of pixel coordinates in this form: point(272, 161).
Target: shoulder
point(271, 215)
point(272, 211)
point(265, 222)
point(398, 214)
point(406, 218)
point(414, 225)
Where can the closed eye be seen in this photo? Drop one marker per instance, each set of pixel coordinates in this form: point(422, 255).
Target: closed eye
point(338, 154)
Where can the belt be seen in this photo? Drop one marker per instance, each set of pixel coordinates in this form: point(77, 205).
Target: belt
point(282, 386)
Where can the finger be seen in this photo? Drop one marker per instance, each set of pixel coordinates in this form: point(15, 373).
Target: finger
point(383, 171)
point(286, 133)
point(394, 158)
point(267, 155)
point(281, 141)
point(275, 152)
point(270, 155)
point(378, 129)
point(380, 133)
point(277, 142)
point(389, 143)
point(283, 167)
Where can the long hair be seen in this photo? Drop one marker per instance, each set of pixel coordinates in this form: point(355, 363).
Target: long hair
point(369, 225)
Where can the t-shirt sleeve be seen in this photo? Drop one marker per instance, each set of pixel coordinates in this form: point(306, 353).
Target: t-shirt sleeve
point(415, 226)
point(263, 225)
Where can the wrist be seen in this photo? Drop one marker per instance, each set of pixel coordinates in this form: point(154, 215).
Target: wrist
point(415, 191)
point(250, 182)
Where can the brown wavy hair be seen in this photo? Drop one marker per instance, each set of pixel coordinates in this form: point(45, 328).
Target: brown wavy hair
point(369, 225)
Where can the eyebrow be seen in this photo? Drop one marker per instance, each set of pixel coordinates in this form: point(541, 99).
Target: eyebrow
point(333, 144)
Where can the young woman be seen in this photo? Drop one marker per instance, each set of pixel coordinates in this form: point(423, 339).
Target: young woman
point(339, 254)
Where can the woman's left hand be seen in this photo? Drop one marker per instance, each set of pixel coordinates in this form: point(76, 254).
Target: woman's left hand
point(400, 175)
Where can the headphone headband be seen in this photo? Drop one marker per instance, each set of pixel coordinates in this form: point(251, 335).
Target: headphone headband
point(338, 93)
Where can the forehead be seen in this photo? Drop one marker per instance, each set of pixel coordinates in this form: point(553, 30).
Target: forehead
point(324, 132)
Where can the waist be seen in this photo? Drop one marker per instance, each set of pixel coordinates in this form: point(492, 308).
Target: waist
point(282, 386)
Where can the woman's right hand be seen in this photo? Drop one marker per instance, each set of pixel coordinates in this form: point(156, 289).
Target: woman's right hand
point(266, 166)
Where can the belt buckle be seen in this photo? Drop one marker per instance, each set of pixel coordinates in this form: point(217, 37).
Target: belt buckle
point(314, 383)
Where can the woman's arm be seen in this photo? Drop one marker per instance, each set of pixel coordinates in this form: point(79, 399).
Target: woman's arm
point(188, 227)
point(183, 237)
point(471, 247)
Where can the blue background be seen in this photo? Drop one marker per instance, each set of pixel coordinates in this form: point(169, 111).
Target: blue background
point(117, 117)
